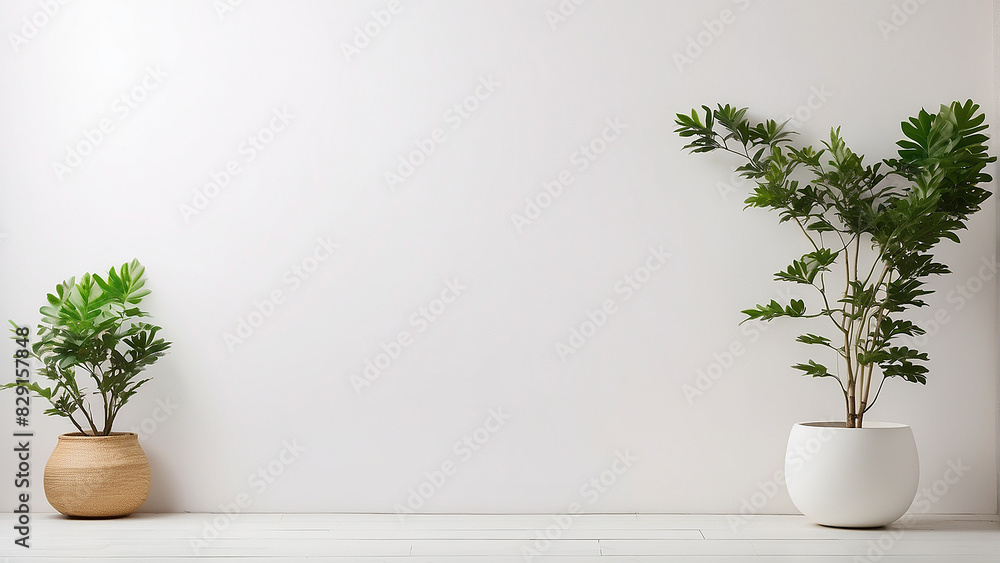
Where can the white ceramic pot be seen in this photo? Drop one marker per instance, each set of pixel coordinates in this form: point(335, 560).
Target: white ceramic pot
point(852, 477)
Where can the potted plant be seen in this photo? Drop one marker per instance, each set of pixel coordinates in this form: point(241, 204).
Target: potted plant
point(870, 231)
point(91, 333)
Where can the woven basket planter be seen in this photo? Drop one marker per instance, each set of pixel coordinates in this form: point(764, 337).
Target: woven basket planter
point(97, 476)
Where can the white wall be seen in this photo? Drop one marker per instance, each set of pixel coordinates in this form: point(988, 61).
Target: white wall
point(996, 101)
point(220, 80)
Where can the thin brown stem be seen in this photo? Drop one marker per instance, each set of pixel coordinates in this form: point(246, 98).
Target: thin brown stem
point(857, 252)
point(848, 341)
point(75, 423)
point(806, 233)
point(90, 420)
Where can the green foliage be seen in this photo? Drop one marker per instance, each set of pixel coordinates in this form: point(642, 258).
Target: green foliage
point(795, 308)
point(900, 208)
point(93, 328)
point(804, 271)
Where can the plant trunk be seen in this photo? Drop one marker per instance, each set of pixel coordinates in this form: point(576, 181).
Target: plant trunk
point(851, 416)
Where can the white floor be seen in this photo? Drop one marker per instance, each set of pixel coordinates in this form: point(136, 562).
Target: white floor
point(423, 538)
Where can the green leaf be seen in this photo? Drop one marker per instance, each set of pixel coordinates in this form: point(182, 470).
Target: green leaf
point(765, 312)
point(804, 271)
point(908, 372)
point(795, 308)
point(813, 369)
point(815, 339)
point(893, 328)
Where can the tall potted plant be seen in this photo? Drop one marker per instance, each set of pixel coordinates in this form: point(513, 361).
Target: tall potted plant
point(91, 331)
point(870, 231)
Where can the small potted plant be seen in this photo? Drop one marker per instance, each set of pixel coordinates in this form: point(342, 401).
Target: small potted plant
point(870, 231)
point(91, 333)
